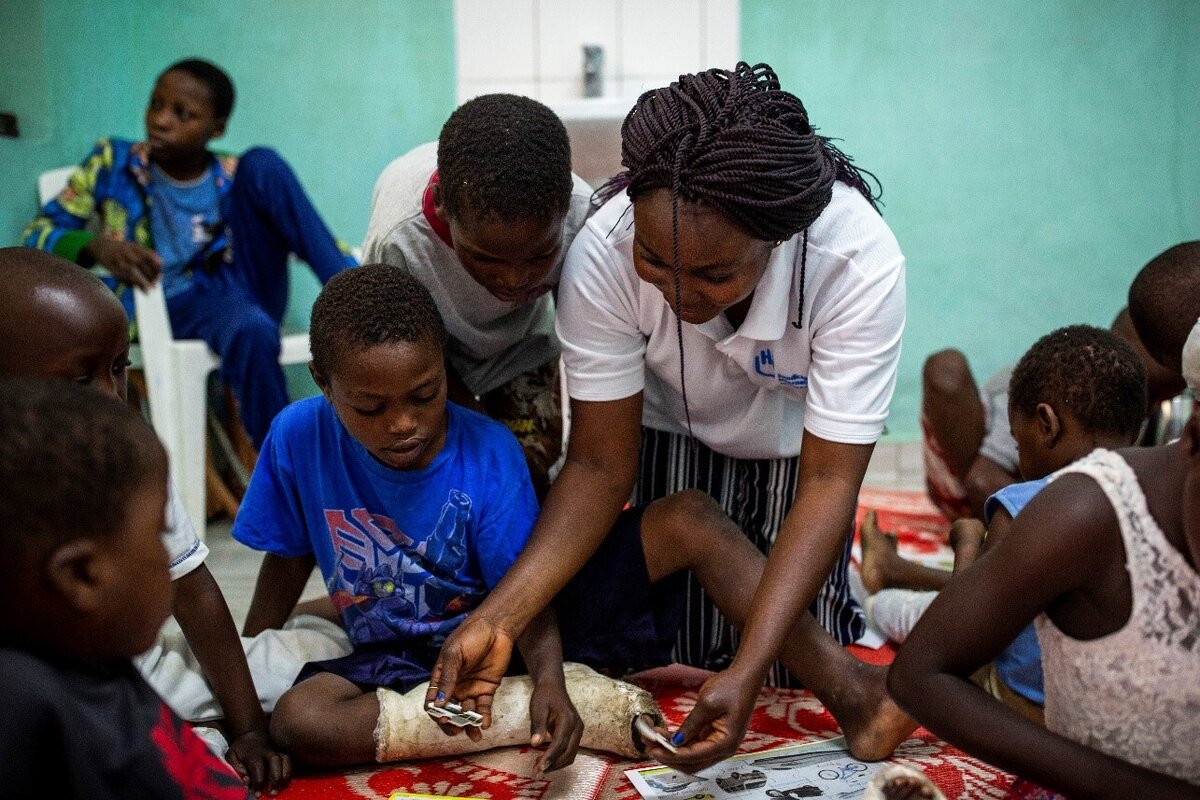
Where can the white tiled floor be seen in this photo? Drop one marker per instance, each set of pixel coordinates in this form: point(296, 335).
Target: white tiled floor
point(894, 466)
point(235, 567)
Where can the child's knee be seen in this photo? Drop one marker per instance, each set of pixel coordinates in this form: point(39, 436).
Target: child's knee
point(946, 373)
point(686, 520)
point(256, 332)
point(288, 721)
point(259, 160)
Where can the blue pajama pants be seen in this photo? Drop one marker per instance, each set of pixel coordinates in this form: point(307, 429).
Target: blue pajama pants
point(237, 308)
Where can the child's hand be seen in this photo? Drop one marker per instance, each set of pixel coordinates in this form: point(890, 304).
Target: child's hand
point(966, 539)
point(127, 261)
point(554, 720)
point(258, 764)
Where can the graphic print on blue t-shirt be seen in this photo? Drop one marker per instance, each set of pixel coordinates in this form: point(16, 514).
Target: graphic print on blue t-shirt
point(404, 554)
point(390, 585)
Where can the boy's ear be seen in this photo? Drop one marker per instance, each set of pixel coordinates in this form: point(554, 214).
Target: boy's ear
point(219, 129)
point(1049, 424)
point(320, 380)
point(75, 573)
point(439, 210)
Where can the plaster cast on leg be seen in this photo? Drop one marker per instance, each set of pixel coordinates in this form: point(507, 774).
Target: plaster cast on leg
point(606, 706)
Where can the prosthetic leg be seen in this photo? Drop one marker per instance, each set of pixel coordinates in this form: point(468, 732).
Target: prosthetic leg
point(607, 707)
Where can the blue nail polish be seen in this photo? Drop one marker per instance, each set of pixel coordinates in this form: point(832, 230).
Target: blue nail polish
point(677, 738)
point(441, 695)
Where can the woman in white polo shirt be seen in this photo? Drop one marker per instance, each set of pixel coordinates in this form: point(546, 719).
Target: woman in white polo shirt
point(737, 313)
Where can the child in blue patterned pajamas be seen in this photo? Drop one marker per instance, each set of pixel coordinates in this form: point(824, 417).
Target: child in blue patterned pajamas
point(216, 230)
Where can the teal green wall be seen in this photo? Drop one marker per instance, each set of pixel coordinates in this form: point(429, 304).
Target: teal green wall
point(338, 89)
point(1033, 155)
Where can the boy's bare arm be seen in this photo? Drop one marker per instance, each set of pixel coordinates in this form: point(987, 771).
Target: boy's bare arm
point(974, 619)
point(204, 617)
point(281, 580)
point(553, 720)
point(1190, 442)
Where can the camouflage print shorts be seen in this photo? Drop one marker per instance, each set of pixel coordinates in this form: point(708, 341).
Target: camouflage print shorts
point(530, 406)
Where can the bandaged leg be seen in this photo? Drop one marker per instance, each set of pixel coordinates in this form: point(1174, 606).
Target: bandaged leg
point(895, 612)
point(606, 706)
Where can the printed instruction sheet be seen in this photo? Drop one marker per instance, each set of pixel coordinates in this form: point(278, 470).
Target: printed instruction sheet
point(817, 769)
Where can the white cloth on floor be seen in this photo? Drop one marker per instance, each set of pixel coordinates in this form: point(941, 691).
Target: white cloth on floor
point(275, 658)
point(213, 739)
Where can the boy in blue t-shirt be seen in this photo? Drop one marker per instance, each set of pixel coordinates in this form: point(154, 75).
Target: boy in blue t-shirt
point(412, 507)
point(169, 209)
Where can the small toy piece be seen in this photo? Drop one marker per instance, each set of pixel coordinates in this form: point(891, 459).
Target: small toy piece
point(454, 714)
point(644, 727)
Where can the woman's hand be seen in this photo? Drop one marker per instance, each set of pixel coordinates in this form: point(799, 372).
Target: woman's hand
point(470, 667)
point(716, 726)
point(127, 261)
point(554, 723)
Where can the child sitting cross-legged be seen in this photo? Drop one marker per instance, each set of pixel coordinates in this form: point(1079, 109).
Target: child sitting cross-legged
point(84, 586)
point(413, 508)
point(1076, 389)
point(1100, 562)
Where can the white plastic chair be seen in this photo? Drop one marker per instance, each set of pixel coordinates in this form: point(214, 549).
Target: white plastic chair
point(176, 378)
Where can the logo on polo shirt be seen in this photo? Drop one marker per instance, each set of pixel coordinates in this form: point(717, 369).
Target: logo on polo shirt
point(764, 364)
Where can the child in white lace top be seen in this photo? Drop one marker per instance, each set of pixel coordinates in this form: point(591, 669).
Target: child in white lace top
point(1105, 559)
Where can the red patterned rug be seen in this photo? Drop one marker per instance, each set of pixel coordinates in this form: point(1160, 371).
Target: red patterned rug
point(782, 717)
point(921, 530)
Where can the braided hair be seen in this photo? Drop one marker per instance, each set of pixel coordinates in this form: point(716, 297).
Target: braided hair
point(734, 141)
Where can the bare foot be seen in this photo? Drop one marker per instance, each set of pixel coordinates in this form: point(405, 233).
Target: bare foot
point(873, 724)
point(879, 554)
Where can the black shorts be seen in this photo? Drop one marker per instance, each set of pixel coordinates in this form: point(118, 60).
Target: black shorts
point(611, 617)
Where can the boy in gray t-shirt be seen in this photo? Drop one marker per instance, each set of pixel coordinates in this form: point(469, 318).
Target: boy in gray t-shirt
point(483, 218)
